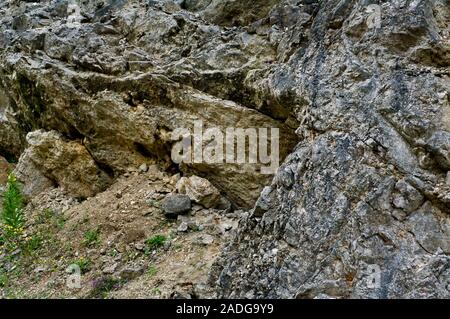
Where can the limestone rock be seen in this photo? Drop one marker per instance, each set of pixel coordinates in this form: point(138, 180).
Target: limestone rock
point(4, 170)
point(124, 95)
point(199, 190)
point(174, 205)
point(358, 90)
point(143, 168)
point(440, 146)
point(353, 199)
point(130, 272)
point(67, 163)
point(205, 239)
point(110, 268)
point(183, 227)
point(31, 177)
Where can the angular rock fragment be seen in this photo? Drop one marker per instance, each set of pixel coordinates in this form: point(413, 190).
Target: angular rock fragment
point(174, 205)
point(32, 178)
point(4, 170)
point(363, 83)
point(439, 144)
point(66, 163)
point(199, 190)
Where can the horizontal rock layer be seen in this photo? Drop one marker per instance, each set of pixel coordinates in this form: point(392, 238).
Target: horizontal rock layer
point(360, 92)
point(122, 77)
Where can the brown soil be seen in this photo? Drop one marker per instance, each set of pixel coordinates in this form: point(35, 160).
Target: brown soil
point(107, 236)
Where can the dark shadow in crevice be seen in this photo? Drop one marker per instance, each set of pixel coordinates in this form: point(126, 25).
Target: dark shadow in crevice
point(142, 149)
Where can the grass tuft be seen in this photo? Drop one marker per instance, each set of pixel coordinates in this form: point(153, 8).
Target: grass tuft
point(156, 241)
point(12, 216)
point(91, 238)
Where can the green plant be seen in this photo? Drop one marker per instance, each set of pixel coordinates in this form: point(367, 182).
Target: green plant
point(113, 253)
point(49, 218)
point(156, 241)
point(60, 222)
point(91, 238)
point(44, 216)
point(12, 213)
point(156, 291)
point(3, 279)
point(84, 264)
point(154, 203)
point(104, 285)
point(151, 271)
point(33, 243)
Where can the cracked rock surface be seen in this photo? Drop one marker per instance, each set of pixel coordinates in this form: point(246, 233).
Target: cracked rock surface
point(366, 189)
point(358, 88)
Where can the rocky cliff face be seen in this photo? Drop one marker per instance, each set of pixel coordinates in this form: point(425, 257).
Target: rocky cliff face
point(124, 74)
point(366, 192)
point(359, 90)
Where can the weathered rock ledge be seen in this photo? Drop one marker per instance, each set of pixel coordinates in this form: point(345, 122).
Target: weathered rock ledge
point(358, 88)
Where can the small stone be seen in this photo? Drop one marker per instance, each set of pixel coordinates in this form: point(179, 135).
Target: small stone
point(143, 168)
point(147, 213)
point(39, 269)
point(175, 178)
point(205, 239)
point(399, 202)
point(110, 269)
point(133, 235)
point(448, 178)
point(399, 214)
point(183, 227)
point(410, 199)
point(167, 245)
point(183, 218)
point(227, 227)
point(180, 295)
point(131, 272)
point(174, 205)
point(139, 246)
point(285, 178)
point(193, 225)
point(199, 190)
